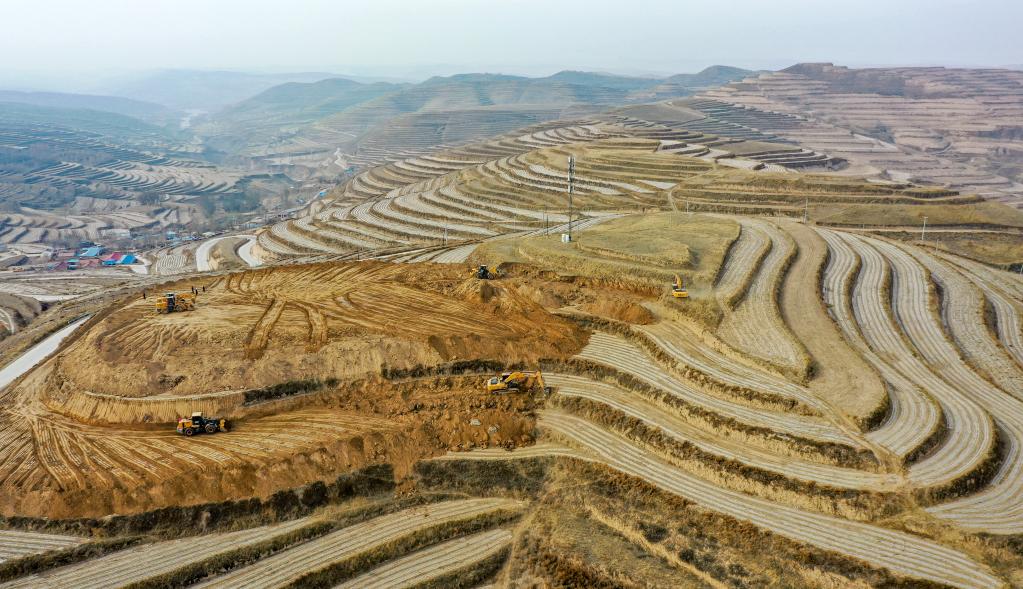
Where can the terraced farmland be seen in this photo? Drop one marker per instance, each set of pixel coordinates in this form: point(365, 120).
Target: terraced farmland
point(519, 182)
point(692, 400)
point(829, 407)
point(931, 117)
point(15, 544)
point(351, 542)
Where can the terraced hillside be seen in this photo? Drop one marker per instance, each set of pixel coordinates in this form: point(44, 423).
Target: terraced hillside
point(822, 398)
point(367, 124)
point(519, 182)
point(700, 407)
point(936, 125)
point(836, 403)
point(68, 175)
point(85, 440)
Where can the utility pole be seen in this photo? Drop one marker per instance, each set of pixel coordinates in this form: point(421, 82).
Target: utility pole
point(923, 231)
point(806, 209)
point(571, 179)
point(546, 225)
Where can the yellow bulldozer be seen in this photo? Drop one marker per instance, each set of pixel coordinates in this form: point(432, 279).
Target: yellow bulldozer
point(678, 289)
point(175, 301)
point(517, 381)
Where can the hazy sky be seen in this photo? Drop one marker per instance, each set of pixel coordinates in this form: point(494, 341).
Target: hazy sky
point(521, 36)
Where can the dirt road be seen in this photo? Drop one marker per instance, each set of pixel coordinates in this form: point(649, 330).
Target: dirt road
point(37, 353)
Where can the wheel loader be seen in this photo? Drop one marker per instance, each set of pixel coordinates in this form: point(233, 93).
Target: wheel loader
point(190, 426)
point(484, 273)
point(171, 302)
point(517, 381)
point(678, 290)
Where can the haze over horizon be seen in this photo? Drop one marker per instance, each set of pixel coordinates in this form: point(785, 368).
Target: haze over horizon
point(414, 40)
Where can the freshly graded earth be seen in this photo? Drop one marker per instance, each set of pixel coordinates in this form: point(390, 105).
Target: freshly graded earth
point(265, 327)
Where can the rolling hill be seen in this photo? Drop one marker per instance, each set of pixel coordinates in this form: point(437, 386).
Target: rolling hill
point(202, 90)
point(146, 111)
point(335, 117)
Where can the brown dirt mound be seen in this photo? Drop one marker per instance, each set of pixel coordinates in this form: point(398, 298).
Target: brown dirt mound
point(619, 309)
point(77, 470)
point(263, 327)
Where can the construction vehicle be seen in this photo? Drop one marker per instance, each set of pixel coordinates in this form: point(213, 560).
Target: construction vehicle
point(484, 273)
point(171, 302)
point(517, 381)
point(678, 290)
point(190, 426)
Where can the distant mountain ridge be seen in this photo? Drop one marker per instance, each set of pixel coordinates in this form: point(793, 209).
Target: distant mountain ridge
point(145, 111)
point(711, 76)
point(343, 113)
point(297, 102)
point(204, 90)
point(473, 90)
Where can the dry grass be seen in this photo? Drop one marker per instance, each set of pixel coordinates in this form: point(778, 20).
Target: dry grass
point(698, 544)
point(840, 376)
point(1004, 250)
point(983, 213)
point(696, 244)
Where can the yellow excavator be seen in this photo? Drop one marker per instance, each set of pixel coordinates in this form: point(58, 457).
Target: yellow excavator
point(179, 301)
point(678, 290)
point(517, 381)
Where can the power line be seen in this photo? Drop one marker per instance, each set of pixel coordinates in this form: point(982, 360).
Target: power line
point(571, 178)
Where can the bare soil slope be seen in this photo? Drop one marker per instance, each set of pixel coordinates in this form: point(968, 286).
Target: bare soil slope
point(265, 327)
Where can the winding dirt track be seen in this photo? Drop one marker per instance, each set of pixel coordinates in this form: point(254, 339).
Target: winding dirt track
point(15, 544)
point(456, 255)
point(538, 450)
point(899, 552)
point(149, 560)
point(616, 352)
point(913, 416)
point(288, 566)
point(659, 417)
point(434, 562)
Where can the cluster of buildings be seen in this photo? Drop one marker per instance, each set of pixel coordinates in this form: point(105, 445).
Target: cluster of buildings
point(89, 255)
